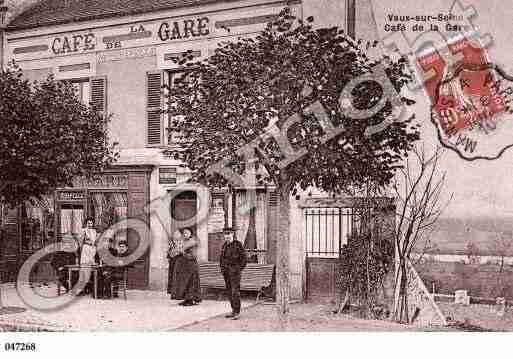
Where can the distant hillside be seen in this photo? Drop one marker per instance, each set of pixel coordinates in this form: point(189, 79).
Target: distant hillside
point(452, 236)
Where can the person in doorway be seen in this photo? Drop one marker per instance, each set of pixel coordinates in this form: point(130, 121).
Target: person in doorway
point(233, 261)
point(186, 282)
point(88, 239)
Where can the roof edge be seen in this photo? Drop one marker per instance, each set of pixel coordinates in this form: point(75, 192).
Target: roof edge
point(112, 15)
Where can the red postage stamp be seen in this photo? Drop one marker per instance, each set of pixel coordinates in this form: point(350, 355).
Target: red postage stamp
point(468, 97)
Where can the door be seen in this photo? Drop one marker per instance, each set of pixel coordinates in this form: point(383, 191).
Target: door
point(325, 231)
point(184, 207)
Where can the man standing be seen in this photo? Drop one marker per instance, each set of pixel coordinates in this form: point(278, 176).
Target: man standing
point(232, 262)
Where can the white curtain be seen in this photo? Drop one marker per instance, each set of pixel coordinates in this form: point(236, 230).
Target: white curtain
point(261, 222)
point(100, 206)
point(120, 203)
point(71, 220)
point(78, 220)
point(241, 216)
point(66, 220)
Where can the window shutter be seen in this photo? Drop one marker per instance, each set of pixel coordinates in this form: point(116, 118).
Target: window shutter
point(153, 108)
point(272, 225)
point(98, 85)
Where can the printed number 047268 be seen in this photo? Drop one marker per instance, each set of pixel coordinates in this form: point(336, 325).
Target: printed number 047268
point(20, 346)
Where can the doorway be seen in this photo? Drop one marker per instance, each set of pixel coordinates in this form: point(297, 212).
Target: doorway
point(326, 230)
point(184, 206)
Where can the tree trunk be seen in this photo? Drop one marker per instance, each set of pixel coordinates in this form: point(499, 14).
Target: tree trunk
point(401, 299)
point(282, 254)
point(401, 314)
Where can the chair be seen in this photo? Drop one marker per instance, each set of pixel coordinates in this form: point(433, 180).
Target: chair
point(119, 284)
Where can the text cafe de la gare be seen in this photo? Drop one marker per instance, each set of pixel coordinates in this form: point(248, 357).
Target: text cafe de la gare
point(167, 31)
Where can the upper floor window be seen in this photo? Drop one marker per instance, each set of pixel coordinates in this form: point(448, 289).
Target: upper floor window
point(91, 91)
point(171, 78)
point(82, 89)
point(163, 128)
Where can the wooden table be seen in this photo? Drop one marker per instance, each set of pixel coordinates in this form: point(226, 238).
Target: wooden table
point(77, 268)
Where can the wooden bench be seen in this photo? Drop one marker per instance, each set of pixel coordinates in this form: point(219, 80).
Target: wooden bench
point(255, 277)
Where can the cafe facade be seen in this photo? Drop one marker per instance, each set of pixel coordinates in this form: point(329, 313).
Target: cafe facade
point(118, 56)
point(118, 63)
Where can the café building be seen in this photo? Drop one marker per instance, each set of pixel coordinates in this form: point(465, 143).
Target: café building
point(118, 54)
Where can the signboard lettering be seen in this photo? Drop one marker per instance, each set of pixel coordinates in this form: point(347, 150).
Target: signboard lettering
point(112, 45)
point(167, 175)
point(139, 28)
point(134, 53)
point(71, 196)
point(102, 181)
point(183, 29)
point(73, 43)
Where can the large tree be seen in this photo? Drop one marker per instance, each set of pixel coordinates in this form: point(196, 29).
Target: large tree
point(276, 102)
point(47, 137)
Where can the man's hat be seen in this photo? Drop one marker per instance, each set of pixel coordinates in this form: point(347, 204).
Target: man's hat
point(228, 230)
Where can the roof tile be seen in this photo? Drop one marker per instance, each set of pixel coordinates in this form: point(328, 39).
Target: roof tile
point(56, 12)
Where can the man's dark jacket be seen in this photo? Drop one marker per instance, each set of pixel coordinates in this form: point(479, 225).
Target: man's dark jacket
point(233, 256)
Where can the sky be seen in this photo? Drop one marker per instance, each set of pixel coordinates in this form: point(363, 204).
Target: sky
point(481, 188)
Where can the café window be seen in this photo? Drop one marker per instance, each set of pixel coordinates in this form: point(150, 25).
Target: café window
point(71, 219)
point(108, 208)
point(37, 223)
point(82, 88)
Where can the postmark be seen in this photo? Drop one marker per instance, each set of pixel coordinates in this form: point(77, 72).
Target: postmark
point(469, 100)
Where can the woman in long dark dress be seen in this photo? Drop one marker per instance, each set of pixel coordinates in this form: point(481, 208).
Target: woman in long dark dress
point(186, 282)
point(175, 249)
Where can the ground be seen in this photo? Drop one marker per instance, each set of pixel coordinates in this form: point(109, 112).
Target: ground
point(303, 317)
point(142, 311)
point(153, 311)
point(479, 316)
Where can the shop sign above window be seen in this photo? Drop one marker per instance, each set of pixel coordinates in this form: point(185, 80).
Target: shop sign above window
point(72, 196)
point(102, 181)
point(167, 175)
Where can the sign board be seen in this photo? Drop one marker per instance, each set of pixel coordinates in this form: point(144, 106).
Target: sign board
point(72, 196)
point(102, 181)
point(167, 175)
point(156, 31)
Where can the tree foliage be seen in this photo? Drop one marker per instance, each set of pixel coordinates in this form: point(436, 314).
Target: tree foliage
point(365, 262)
point(245, 106)
point(235, 96)
point(47, 137)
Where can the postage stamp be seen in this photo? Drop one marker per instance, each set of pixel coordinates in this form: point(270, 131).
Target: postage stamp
point(469, 99)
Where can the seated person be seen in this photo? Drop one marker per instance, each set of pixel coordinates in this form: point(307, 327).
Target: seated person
point(111, 274)
point(66, 256)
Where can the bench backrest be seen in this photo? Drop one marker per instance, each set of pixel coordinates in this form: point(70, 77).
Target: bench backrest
point(254, 277)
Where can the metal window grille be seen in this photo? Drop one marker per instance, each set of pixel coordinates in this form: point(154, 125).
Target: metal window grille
point(327, 230)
